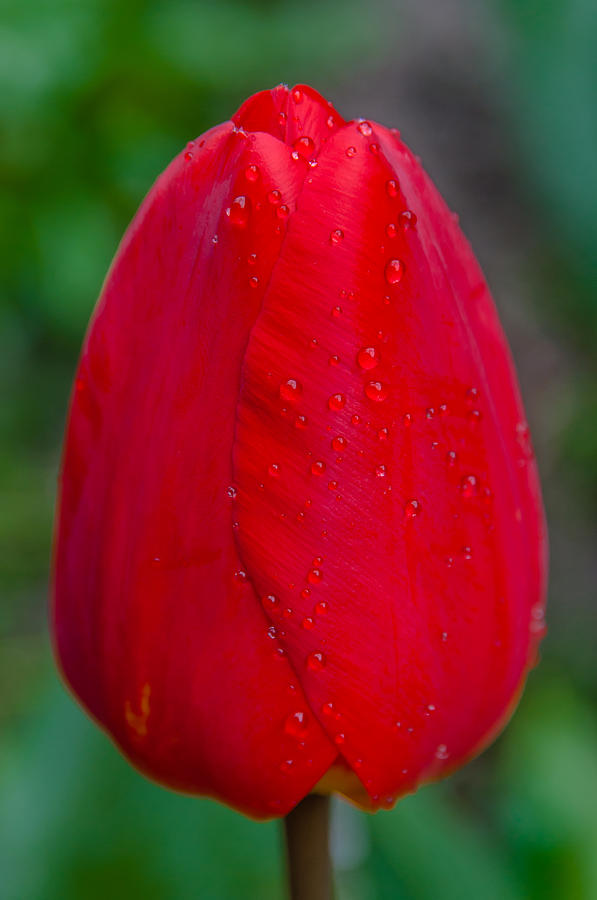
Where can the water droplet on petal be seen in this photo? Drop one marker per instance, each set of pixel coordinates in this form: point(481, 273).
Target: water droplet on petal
point(336, 236)
point(240, 576)
point(407, 219)
point(469, 486)
point(376, 391)
point(321, 608)
point(252, 172)
point(314, 576)
point(300, 422)
point(392, 188)
point(271, 603)
point(451, 457)
point(239, 211)
point(412, 509)
point(274, 470)
point(296, 725)
point(316, 661)
point(380, 471)
point(367, 358)
point(391, 230)
point(351, 151)
point(333, 360)
point(339, 739)
point(297, 95)
point(394, 271)
point(339, 443)
point(274, 197)
point(336, 311)
point(304, 146)
point(291, 390)
point(382, 434)
point(231, 491)
point(308, 623)
point(253, 281)
point(337, 402)
point(318, 467)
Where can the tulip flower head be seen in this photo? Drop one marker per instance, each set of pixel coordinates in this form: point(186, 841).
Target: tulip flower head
point(300, 541)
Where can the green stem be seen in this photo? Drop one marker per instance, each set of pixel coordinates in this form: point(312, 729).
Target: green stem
point(307, 846)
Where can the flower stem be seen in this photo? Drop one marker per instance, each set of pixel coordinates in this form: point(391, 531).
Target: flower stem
point(307, 845)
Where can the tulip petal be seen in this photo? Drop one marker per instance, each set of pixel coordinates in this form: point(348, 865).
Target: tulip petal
point(157, 627)
point(382, 496)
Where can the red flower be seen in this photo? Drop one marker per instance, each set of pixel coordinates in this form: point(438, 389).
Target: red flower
point(300, 537)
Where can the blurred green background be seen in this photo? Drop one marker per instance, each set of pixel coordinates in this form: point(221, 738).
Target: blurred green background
point(500, 98)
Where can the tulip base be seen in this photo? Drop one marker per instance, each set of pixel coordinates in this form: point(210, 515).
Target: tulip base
point(307, 846)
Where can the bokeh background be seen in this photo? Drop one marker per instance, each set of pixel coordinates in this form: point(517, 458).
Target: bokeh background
point(500, 99)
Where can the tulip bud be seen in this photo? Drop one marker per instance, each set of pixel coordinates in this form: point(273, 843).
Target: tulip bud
point(300, 541)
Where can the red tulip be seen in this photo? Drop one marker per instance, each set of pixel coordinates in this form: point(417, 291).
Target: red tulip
point(300, 539)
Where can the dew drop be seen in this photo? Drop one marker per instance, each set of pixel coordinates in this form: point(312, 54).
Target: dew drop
point(367, 358)
point(252, 172)
point(286, 766)
point(394, 271)
point(412, 509)
point(297, 95)
point(332, 485)
point(337, 402)
point(282, 119)
point(316, 661)
point(376, 391)
point(291, 390)
point(274, 470)
point(365, 128)
point(338, 443)
point(314, 576)
point(442, 751)
point(318, 467)
point(472, 397)
point(300, 422)
point(240, 576)
point(308, 623)
point(304, 146)
point(321, 608)
point(451, 457)
point(330, 122)
point(391, 230)
point(407, 219)
point(336, 311)
point(380, 471)
point(351, 151)
point(253, 281)
point(469, 486)
point(271, 603)
point(274, 197)
point(392, 188)
point(296, 725)
point(333, 360)
point(382, 434)
point(374, 148)
point(252, 259)
point(327, 710)
point(231, 491)
point(407, 420)
point(339, 739)
point(336, 236)
point(239, 211)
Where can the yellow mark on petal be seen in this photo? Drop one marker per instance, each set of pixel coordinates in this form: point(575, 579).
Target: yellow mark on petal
point(138, 721)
